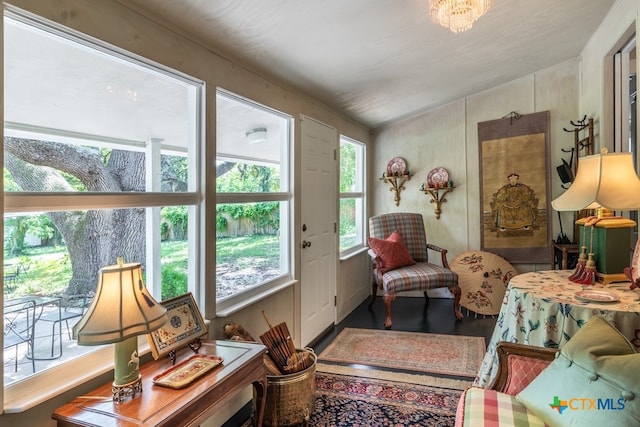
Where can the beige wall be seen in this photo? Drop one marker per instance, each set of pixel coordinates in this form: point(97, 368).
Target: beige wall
point(448, 137)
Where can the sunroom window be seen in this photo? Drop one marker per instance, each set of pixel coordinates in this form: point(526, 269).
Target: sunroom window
point(253, 200)
point(101, 159)
point(352, 195)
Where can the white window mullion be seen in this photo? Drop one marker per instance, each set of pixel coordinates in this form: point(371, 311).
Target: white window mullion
point(153, 184)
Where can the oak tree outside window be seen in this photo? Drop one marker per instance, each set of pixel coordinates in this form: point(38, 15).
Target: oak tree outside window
point(101, 159)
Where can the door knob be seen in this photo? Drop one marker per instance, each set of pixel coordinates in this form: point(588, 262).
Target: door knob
point(305, 244)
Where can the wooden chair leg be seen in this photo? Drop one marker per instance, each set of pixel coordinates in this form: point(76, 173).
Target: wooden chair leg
point(388, 299)
point(374, 292)
point(457, 293)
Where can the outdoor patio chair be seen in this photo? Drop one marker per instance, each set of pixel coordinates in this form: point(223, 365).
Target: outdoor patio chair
point(71, 305)
point(399, 251)
point(11, 277)
point(19, 322)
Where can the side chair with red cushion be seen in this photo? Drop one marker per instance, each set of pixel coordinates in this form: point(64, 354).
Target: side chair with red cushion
point(399, 251)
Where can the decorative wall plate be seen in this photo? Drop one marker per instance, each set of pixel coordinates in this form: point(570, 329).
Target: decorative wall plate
point(596, 296)
point(438, 176)
point(186, 372)
point(396, 166)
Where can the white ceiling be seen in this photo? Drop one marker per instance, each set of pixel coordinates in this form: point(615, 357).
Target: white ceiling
point(64, 91)
point(378, 61)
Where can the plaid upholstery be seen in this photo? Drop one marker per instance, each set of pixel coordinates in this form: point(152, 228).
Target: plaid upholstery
point(418, 277)
point(522, 370)
point(480, 407)
point(410, 227)
point(421, 276)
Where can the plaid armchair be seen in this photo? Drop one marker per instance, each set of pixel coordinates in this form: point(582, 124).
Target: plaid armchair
point(420, 276)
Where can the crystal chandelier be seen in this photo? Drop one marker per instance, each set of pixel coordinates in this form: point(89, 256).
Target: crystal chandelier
point(458, 15)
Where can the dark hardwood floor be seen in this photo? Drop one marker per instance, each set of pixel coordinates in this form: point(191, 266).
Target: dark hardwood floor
point(413, 315)
point(409, 314)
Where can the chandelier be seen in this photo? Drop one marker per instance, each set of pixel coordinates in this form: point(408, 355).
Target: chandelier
point(458, 15)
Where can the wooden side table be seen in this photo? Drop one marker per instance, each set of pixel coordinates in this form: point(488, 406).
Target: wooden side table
point(565, 249)
point(161, 406)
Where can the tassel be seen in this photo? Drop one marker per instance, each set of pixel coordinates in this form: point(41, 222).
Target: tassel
point(589, 276)
point(582, 258)
point(582, 261)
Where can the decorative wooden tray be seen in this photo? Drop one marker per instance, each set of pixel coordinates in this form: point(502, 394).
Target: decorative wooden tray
point(186, 372)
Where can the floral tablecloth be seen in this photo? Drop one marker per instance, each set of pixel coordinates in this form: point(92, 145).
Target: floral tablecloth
point(541, 309)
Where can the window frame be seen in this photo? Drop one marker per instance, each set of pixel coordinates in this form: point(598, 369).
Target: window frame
point(247, 297)
point(361, 196)
point(25, 394)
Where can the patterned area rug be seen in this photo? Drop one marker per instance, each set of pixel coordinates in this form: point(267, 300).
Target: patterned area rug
point(345, 400)
point(412, 351)
point(347, 396)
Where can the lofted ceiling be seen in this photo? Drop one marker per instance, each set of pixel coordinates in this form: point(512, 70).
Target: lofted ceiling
point(378, 61)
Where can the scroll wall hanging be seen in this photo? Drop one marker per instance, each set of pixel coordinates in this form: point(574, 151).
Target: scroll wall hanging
point(515, 187)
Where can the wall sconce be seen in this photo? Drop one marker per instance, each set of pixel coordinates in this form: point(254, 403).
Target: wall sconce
point(396, 175)
point(438, 185)
point(438, 197)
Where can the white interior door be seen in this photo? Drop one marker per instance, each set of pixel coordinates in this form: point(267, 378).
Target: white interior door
point(319, 143)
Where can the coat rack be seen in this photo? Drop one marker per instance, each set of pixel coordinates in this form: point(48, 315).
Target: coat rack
point(584, 143)
point(579, 144)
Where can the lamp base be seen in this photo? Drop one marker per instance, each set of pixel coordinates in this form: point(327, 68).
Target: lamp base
point(611, 278)
point(122, 391)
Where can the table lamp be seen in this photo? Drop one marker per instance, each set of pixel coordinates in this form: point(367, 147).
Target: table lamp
point(605, 182)
point(121, 310)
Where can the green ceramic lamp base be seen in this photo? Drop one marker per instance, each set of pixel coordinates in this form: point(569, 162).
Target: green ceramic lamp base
point(127, 379)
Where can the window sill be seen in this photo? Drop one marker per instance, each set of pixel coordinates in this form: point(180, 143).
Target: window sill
point(234, 308)
point(353, 253)
point(28, 393)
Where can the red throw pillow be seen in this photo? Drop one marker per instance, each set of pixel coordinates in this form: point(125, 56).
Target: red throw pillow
point(391, 251)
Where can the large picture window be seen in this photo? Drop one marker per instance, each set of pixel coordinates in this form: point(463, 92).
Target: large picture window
point(101, 159)
point(253, 244)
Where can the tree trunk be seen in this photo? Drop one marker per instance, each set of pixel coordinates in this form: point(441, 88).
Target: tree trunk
point(94, 238)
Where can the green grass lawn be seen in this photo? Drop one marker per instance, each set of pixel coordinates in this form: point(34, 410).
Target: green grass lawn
point(248, 250)
point(47, 270)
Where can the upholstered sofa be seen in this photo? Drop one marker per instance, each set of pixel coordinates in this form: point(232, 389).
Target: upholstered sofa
point(594, 380)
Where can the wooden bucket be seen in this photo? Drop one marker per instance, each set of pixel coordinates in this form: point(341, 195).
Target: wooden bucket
point(291, 398)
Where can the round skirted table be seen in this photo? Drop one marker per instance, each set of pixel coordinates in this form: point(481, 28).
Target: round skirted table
point(545, 309)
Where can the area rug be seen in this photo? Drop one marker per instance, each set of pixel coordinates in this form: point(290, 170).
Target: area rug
point(344, 400)
point(412, 351)
point(395, 376)
point(347, 396)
